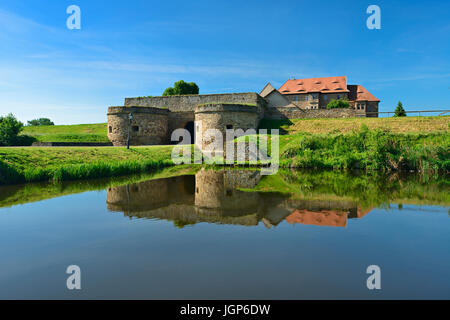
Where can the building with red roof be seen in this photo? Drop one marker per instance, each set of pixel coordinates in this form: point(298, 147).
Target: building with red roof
point(316, 93)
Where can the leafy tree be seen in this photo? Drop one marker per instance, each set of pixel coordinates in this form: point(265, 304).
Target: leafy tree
point(10, 128)
point(333, 104)
point(181, 88)
point(41, 122)
point(399, 111)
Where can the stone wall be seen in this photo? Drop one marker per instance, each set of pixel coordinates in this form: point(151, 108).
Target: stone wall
point(148, 127)
point(297, 113)
point(187, 103)
point(222, 117)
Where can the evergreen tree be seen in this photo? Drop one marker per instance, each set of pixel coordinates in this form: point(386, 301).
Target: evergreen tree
point(399, 111)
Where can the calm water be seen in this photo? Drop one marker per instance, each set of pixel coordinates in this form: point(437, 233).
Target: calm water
point(228, 234)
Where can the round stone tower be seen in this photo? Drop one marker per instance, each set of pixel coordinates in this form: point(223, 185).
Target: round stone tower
point(222, 117)
point(146, 125)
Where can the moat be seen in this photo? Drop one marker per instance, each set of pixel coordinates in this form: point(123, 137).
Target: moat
point(228, 234)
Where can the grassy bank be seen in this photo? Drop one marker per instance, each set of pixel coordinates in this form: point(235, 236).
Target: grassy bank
point(367, 149)
point(348, 125)
point(69, 133)
point(73, 163)
point(364, 148)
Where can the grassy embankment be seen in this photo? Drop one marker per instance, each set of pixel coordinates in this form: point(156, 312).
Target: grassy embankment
point(70, 133)
point(419, 143)
point(73, 163)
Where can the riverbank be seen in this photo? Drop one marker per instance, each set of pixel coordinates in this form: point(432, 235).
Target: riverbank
point(97, 132)
point(32, 164)
point(365, 149)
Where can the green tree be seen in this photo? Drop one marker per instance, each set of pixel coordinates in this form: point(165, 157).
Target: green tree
point(399, 111)
point(41, 122)
point(181, 88)
point(333, 104)
point(10, 128)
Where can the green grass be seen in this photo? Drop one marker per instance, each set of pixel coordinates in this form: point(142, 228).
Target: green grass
point(367, 149)
point(68, 133)
point(348, 125)
point(72, 163)
point(360, 148)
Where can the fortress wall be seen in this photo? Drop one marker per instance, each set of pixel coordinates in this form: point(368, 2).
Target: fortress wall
point(179, 120)
point(297, 113)
point(187, 103)
point(148, 127)
point(221, 116)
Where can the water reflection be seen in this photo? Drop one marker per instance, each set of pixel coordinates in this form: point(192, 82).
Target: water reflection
point(226, 197)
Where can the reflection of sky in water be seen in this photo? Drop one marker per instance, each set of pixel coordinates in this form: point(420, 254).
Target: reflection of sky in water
point(200, 237)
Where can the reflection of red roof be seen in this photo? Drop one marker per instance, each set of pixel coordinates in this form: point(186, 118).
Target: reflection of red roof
point(318, 218)
point(362, 213)
point(323, 85)
point(359, 93)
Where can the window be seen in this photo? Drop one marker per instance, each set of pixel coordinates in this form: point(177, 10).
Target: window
point(306, 98)
point(296, 98)
point(110, 129)
point(325, 97)
point(229, 126)
point(314, 96)
point(338, 96)
point(135, 129)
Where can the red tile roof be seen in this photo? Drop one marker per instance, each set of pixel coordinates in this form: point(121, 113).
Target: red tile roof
point(323, 85)
point(359, 93)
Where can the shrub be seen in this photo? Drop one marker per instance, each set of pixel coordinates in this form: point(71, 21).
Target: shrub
point(10, 128)
point(334, 104)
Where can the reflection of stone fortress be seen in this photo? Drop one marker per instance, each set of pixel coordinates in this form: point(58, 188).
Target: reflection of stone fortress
point(154, 119)
point(212, 196)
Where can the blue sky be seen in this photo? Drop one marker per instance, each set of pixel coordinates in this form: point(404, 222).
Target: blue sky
point(136, 48)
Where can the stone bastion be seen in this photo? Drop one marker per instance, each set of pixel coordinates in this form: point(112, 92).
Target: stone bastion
point(148, 126)
point(222, 117)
